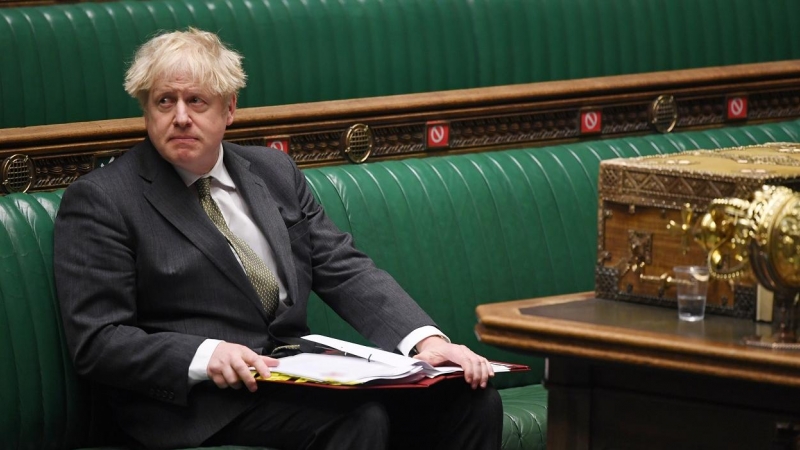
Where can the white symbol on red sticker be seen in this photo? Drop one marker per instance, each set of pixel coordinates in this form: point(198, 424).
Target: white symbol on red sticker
point(737, 108)
point(438, 135)
point(279, 145)
point(590, 122)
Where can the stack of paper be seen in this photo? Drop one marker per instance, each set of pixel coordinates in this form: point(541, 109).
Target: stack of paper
point(359, 364)
point(344, 369)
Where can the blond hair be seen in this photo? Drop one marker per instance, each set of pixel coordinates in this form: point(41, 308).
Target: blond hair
point(200, 55)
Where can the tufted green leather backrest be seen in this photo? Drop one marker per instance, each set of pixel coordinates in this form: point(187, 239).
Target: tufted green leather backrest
point(65, 63)
point(41, 402)
point(456, 231)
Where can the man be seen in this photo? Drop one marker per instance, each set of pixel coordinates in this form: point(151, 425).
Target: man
point(189, 261)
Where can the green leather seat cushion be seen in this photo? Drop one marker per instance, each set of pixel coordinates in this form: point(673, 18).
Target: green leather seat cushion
point(524, 417)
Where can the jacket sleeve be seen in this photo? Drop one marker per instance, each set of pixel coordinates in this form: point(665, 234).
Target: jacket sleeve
point(347, 280)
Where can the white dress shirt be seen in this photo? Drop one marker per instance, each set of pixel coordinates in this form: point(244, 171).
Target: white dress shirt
point(237, 216)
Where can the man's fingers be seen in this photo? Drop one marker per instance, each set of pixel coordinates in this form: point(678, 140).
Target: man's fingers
point(486, 372)
point(241, 372)
point(225, 378)
point(476, 372)
point(262, 368)
point(477, 369)
point(262, 365)
point(230, 366)
point(266, 362)
point(231, 377)
point(219, 380)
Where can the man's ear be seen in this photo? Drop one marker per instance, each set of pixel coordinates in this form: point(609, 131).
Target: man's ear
point(231, 109)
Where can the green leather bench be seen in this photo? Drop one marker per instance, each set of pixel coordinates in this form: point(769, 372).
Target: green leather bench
point(456, 231)
point(65, 63)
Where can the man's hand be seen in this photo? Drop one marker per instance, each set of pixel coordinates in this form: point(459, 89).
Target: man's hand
point(230, 365)
point(436, 351)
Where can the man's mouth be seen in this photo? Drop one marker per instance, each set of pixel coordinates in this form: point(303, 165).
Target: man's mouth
point(182, 138)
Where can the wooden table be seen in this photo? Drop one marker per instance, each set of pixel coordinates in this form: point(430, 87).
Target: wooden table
point(632, 376)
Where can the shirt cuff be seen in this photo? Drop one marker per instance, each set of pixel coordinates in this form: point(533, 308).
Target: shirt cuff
point(409, 342)
point(198, 369)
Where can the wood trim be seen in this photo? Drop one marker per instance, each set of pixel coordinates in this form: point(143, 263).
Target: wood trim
point(481, 119)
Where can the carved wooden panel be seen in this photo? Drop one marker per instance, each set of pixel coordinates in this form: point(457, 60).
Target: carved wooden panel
point(455, 121)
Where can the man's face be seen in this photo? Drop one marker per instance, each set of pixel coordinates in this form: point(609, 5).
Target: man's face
point(186, 123)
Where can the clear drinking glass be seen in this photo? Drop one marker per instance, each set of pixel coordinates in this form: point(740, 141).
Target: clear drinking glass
point(692, 286)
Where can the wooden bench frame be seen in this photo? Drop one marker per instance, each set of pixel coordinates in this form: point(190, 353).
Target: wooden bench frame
point(371, 129)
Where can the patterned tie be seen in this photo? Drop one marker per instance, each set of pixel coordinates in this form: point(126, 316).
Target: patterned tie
point(259, 274)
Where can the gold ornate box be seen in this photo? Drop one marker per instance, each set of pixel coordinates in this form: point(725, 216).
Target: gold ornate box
point(648, 208)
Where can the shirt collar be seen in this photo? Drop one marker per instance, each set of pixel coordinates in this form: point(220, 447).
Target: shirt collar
point(218, 172)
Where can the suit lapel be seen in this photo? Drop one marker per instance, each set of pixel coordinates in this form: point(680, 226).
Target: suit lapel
point(180, 206)
point(266, 214)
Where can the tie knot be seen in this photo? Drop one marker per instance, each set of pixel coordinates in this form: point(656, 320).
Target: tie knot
point(204, 186)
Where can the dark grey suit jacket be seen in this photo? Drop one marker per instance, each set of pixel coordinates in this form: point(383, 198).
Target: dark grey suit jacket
point(143, 277)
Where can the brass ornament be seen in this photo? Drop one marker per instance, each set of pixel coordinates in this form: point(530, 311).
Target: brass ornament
point(357, 143)
point(664, 113)
point(17, 173)
point(724, 232)
point(768, 224)
point(776, 240)
point(762, 234)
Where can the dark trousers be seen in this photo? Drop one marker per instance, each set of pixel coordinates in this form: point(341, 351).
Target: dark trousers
point(447, 415)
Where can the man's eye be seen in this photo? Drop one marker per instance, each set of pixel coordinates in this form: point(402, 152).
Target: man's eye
point(164, 101)
point(196, 100)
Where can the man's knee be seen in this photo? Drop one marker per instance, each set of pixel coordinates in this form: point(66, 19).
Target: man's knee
point(482, 403)
point(366, 427)
point(373, 418)
point(490, 399)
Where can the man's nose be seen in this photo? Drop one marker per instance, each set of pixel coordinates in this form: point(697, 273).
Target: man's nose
point(182, 118)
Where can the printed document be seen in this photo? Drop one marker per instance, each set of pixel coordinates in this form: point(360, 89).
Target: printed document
point(359, 364)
